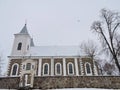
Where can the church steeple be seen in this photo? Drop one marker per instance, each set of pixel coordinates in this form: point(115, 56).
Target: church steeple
point(22, 42)
point(24, 30)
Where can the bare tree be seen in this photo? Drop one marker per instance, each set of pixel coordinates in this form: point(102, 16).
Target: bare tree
point(107, 30)
point(89, 48)
point(109, 68)
point(99, 64)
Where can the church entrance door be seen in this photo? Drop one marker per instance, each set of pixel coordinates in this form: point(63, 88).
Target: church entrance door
point(27, 79)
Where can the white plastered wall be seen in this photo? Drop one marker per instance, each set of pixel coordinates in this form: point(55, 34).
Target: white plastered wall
point(25, 40)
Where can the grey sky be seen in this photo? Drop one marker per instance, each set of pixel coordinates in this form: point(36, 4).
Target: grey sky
point(50, 22)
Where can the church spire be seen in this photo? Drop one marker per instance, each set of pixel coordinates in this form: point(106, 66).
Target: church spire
point(24, 30)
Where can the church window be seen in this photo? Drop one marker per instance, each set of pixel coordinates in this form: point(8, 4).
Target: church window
point(70, 69)
point(32, 66)
point(19, 46)
point(28, 47)
point(88, 69)
point(58, 70)
point(23, 66)
point(46, 69)
point(14, 69)
point(28, 66)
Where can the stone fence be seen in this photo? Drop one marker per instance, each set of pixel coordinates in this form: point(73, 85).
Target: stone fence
point(77, 82)
point(65, 82)
point(9, 82)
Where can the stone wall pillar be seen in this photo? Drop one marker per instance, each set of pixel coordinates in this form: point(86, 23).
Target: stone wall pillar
point(52, 66)
point(40, 67)
point(95, 69)
point(81, 67)
point(76, 67)
point(64, 67)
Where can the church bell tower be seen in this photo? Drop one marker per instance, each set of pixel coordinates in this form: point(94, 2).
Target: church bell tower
point(18, 65)
point(21, 43)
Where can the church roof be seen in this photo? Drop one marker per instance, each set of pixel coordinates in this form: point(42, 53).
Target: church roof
point(54, 51)
point(24, 30)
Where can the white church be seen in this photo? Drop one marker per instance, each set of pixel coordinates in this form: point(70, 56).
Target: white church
point(28, 61)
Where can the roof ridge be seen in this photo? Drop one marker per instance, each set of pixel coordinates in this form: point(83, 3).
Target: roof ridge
point(58, 46)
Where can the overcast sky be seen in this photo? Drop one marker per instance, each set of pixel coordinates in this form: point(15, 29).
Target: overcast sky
point(50, 22)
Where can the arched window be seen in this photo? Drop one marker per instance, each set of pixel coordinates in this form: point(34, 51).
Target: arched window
point(70, 69)
point(58, 70)
point(14, 70)
point(46, 69)
point(28, 66)
point(19, 46)
point(88, 69)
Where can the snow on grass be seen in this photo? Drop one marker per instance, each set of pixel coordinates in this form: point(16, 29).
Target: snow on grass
point(82, 89)
point(69, 89)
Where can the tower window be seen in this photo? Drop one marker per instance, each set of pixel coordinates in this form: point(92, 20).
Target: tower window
point(19, 46)
point(28, 47)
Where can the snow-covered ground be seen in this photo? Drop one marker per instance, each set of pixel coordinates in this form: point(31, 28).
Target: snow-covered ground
point(80, 89)
point(70, 89)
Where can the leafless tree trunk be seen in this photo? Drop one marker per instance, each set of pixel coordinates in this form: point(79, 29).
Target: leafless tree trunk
point(107, 30)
